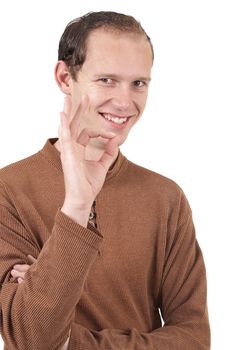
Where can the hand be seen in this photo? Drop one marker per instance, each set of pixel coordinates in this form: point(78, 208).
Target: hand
point(83, 178)
point(19, 270)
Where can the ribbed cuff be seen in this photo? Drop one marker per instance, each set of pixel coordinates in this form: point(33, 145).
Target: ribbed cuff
point(89, 235)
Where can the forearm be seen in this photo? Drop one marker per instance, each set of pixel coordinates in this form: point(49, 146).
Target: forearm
point(51, 289)
point(182, 301)
point(168, 337)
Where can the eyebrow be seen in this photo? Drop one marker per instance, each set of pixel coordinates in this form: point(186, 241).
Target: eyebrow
point(114, 76)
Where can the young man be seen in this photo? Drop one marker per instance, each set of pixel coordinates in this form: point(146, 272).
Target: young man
point(114, 246)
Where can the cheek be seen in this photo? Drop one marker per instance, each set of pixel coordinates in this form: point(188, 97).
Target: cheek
point(142, 102)
point(97, 97)
point(94, 95)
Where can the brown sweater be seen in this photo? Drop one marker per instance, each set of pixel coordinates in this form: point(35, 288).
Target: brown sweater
point(110, 284)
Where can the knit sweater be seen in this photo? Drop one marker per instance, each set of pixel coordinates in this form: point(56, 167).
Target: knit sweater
point(136, 282)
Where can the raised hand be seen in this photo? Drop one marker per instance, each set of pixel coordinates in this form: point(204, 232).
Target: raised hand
point(83, 178)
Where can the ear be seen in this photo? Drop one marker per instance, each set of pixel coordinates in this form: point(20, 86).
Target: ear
point(63, 77)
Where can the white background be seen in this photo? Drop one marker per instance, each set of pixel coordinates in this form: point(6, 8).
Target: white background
point(185, 132)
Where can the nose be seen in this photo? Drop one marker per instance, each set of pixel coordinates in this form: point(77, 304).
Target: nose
point(122, 99)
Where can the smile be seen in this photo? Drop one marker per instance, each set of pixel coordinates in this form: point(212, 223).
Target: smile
point(114, 119)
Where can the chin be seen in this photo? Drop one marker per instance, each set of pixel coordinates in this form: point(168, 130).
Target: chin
point(122, 140)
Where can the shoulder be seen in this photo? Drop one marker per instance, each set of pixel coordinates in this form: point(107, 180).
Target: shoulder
point(31, 169)
point(27, 175)
point(158, 184)
point(19, 169)
point(16, 177)
point(154, 194)
point(154, 189)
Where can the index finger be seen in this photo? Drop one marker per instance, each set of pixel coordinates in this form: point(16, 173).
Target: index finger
point(67, 105)
point(87, 133)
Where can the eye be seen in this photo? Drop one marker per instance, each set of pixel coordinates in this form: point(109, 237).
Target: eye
point(107, 81)
point(139, 83)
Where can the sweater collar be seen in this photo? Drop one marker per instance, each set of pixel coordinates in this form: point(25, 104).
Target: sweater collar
point(50, 152)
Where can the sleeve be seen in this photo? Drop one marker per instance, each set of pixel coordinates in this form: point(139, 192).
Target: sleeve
point(183, 301)
point(40, 310)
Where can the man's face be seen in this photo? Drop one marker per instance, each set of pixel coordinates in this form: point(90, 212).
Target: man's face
point(115, 76)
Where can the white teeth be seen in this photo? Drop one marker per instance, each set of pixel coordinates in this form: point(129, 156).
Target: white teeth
point(115, 119)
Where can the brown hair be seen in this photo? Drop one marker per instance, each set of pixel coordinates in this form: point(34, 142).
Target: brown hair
point(72, 45)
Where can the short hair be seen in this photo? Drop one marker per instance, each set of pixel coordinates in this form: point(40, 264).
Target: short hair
point(73, 43)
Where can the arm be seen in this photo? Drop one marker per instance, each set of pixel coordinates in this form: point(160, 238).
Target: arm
point(19, 272)
point(54, 284)
point(182, 301)
point(40, 310)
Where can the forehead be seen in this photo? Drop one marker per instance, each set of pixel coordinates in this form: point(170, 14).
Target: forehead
point(118, 50)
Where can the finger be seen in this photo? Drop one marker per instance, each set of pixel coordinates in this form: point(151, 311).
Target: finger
point(66, 141)
point(21, 267)
point(64, 129)
point(31, 259)
point(20, 280)
point(110, 153)
point(87, 134)
point(17, 274)
point(65, 114)
point(67, 107)
point(79, 114)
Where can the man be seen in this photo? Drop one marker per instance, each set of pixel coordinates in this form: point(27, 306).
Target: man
point(97, 252)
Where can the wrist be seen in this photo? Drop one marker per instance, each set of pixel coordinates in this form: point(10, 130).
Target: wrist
point(78, 213)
